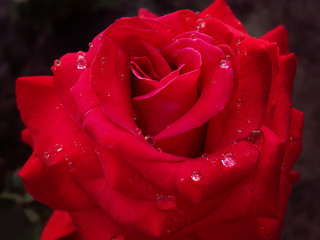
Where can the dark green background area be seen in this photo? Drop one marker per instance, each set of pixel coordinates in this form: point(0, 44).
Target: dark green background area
point(34, 33)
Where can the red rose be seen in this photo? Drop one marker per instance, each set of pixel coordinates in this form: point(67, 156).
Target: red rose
point(172, 127)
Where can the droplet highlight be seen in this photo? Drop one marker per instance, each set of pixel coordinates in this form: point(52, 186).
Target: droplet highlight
point(149, 139)
point(81, 62)
point(200, 24)
point(224, 64)
point(195, 176)
point(228, 160)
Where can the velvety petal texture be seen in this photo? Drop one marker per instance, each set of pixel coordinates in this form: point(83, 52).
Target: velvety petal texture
point(174, 127)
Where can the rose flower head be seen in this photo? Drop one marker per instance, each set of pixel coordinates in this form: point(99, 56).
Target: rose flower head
point(177, 127)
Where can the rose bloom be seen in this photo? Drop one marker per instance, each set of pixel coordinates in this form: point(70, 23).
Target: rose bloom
point(174, 127)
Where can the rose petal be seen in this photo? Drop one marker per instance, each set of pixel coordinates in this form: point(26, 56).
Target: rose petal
point(145, 13)
point(219, 9)
point(56, 138)
point(213, 97)
point(245, 110)
point(60, 225)
point(53, 186)
point(280, 36)
point(278, 112)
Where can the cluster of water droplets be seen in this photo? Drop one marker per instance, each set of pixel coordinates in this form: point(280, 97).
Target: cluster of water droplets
point(81, 62)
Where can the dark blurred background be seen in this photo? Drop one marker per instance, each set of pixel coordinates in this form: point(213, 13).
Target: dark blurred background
point(33, 33)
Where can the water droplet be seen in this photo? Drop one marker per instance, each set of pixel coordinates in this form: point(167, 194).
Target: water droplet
point(225, 64)
point(149, 139)
point(100, 36)
point(213, 81)
point(204, 156)
point(228, 160)
point(245, 53)
point(239, 41)
point(200, 24)
point(122, 76)
point(46, 155)
point(239, 130)
point(193, 36)
point(58, 147)
point(138, 131)
point(249, 120)
point(57, 62)
point(103, 60)
point(292, 139)
point(159, 149)
point(117, 237)
point(255, 137)
point(165, 202)
point(81, 62)
point(238, 103)
point(108, 94)
point(195, 176)
point(71, 166)
point(90, 45)
point(197, 12)
point(134, 117)
point(208, 17)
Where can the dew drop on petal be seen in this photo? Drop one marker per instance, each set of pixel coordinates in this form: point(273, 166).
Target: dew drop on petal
point(149, 139)
point(228, 160)
point(193, 36)
point(292, 139)
point(46, 155)
point(255, 137)
point(225, 64)
point(239, 130)
point(90, 45)
point(81, 62)
point(238, 103)
point(195, 176)
point(100, 36)
point(208, 17)
point(57, 62)
point(71, 166)
point(138, 131)
point(165, 202)
point(103, 60)
point(159, 149)
point(108, 94)
point(204, 156)
point(200, 24)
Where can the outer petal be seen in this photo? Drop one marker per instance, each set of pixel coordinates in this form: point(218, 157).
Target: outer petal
point(278, 112)
point(144, 13)
point(219, 9)
point(53, 186)
point(60, 225)
point(280, 36)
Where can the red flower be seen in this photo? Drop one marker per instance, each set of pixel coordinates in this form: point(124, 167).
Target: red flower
point(172, 127)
